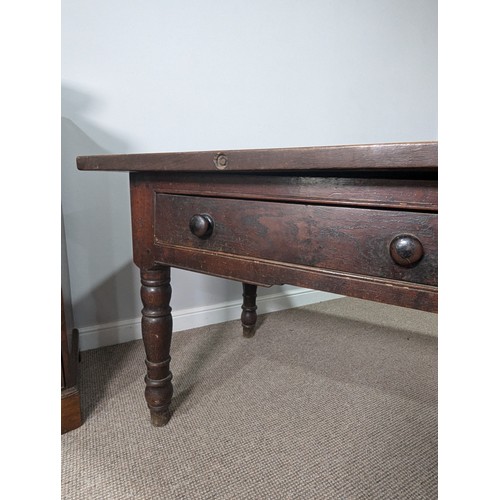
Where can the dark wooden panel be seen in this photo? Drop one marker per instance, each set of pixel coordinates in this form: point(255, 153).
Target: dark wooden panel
point(266, 273)
point(141, 199)
point(410, 156)
point(399, 193)
point(71, 417)
point(352, 240)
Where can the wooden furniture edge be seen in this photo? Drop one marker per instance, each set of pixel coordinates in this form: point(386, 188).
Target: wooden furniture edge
point(384, 156)
point(71, 417)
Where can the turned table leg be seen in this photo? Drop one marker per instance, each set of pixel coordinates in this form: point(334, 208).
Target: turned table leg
point(249, 314)
point(157, 336)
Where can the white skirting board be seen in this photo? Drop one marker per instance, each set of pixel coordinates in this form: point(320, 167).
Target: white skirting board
point(92, 337)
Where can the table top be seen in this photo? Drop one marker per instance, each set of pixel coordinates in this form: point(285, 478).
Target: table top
point(384, 156)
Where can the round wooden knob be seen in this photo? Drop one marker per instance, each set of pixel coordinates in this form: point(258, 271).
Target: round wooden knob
point(201, 225)
point(406, 250)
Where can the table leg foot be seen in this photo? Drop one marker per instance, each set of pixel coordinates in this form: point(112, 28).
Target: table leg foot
point(249, 307)
point(159, 419)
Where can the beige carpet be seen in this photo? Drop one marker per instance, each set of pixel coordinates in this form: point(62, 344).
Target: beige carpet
point(332, 401)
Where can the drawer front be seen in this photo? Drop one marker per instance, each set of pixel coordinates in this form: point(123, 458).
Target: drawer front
point(381, 243)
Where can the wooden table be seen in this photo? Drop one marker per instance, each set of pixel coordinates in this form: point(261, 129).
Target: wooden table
point(355, 220)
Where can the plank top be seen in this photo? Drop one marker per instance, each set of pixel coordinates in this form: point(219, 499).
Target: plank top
point(385, 156)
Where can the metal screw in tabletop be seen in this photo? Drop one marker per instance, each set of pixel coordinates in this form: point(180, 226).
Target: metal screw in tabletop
point(221, 161)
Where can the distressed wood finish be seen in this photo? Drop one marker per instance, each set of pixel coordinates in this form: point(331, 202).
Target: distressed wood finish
point(410, 155)
point(334, 238)
point(356, 220)
point(418, 192)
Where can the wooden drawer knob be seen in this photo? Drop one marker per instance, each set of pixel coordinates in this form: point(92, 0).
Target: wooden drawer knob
point(201, 225)
point(406, 250)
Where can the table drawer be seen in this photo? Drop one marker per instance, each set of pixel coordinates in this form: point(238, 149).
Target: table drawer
point(399, 245)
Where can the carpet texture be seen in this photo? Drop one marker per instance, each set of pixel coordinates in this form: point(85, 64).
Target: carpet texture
point(336, 400)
